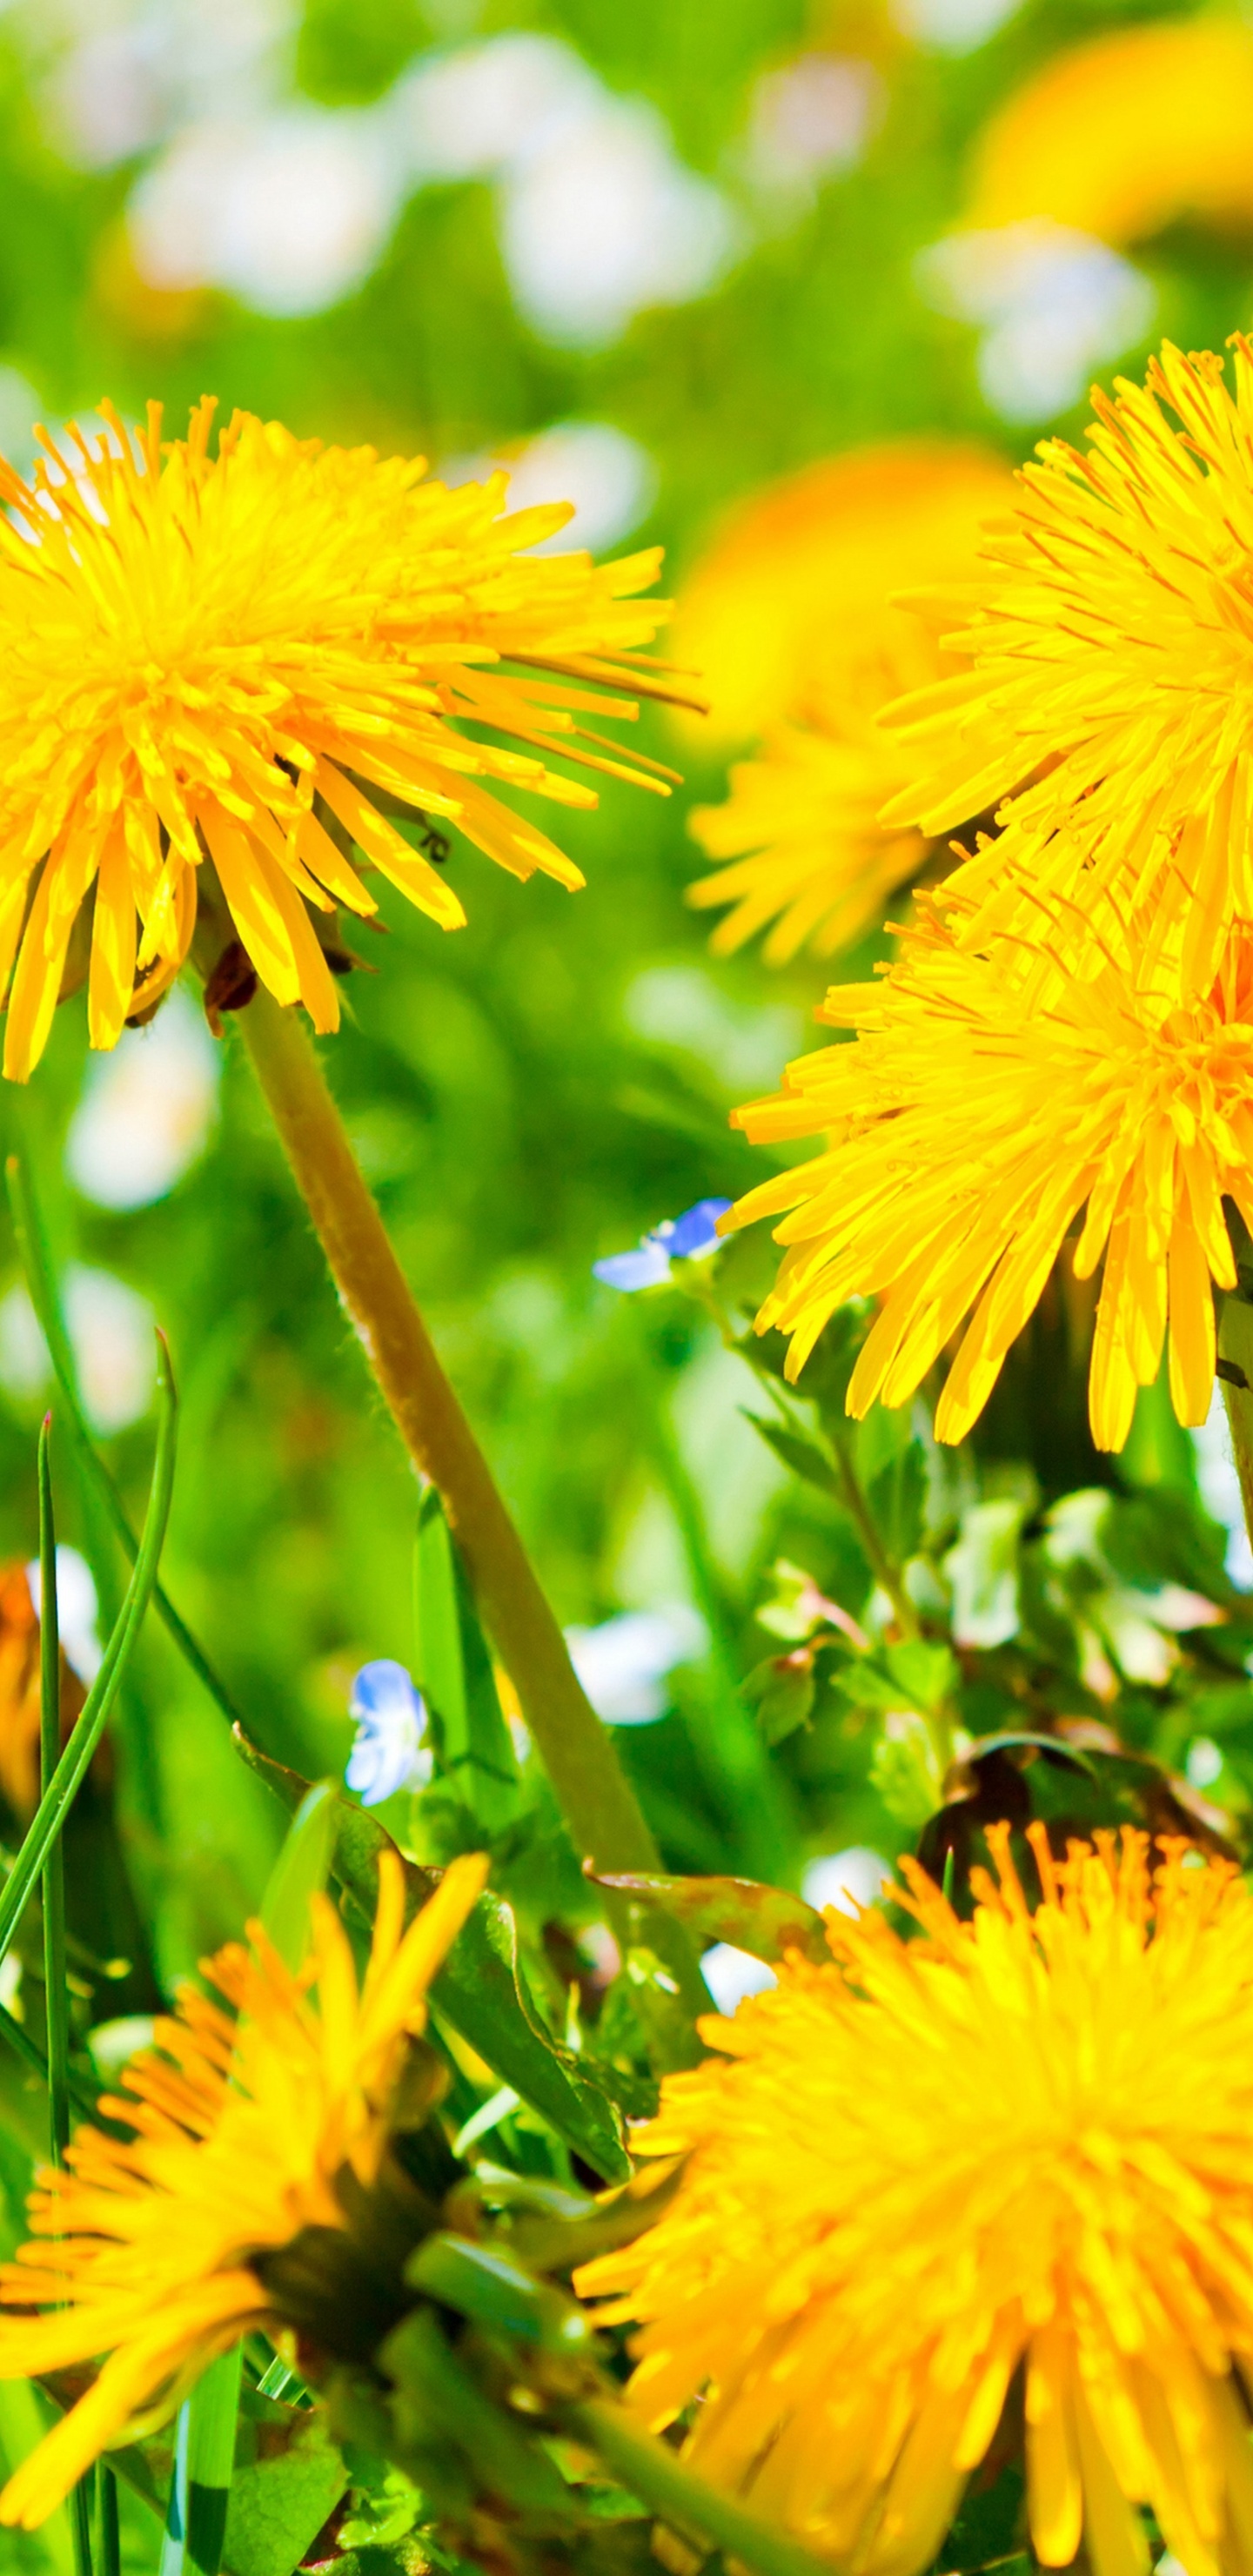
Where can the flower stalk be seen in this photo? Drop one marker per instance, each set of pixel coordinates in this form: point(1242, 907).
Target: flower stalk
point(599, 1803)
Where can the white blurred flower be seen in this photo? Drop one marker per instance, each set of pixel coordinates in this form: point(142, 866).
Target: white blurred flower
point(135, 69)
point(810, 119)
point(609, 477)
point(111, 1330)
point(952, 26)
point(624, 1663)
point(845, 1879)
point(288, 212)
point(1204, 1762)
point(474, 113)
point(147, 1109)
point(1052, 304)
point(606, 221)
point(1220, 1489)
point(77, 1610)
point(732, 1974)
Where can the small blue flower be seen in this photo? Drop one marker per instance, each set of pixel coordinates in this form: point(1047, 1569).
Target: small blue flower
point(388, 1752)
point(690, 1237)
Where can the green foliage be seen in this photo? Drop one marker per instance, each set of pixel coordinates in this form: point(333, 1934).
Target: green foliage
point(901, 1647)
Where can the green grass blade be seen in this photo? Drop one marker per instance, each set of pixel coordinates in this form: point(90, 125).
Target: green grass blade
point(56, 1992)
point(67, 1778)
point(301, 1871)
point(36, 1259)
point(110, 2529)
point(204, 2460)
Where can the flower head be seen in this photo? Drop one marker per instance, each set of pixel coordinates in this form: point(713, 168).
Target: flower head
point(1110, 653)
point(797, 579)
point(690, 1237)
point(992, 1096)
point(388, 1752)
point(256, 656)
point(1026, 2140)
point(246, 2132)
point(800, 834)
point(1127, 133)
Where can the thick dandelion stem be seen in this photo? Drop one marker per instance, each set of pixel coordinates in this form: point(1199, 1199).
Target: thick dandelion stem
point(578, 1754)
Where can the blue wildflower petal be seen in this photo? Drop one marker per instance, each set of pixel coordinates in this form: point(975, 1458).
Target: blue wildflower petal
point(388, 1752)
point(694, 1235)
point(644, 1268)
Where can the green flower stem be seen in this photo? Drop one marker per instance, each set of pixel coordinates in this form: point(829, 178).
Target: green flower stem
point(655, 2473)
point(599, 1804)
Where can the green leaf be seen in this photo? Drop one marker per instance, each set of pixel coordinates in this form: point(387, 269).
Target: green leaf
point(804, 1457)
point(905, 1771)
point(782, 1692)
point(454, 1674)
point(765, 1921)
point(478, 1990)
point(289, 2475)
point(913, 1673)
point(983, 1570)
point(493, 2289)
point(300, 1872)
point(897, 1500)
point(437, 2407)
point(926, 1674)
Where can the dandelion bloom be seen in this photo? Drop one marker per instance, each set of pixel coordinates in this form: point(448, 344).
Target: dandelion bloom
point(1110, 653)
point(797, 578)
point(988, 1100)
point(1126, 134)
point(253, 654)
point(805, 851)
point(1025, 2139)
point(246, 2132)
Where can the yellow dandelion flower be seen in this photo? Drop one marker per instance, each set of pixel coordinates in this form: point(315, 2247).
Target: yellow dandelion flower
point(1111, 663)
point(800, 830)
point(1127, 134)
point(251, 655)
point(798, 576)
point(988, 1101)
point(1025, 2142)
point(153, 2252)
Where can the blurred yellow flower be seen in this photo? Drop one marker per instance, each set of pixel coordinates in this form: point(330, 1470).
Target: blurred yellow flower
point(800, 829)
point(989, 1098)
point(799, 575)
point(1127, 134)
point(19, 1694)
point(1026, 2139)
point(1110, 651)
point(154, 2253)
point(195, 647)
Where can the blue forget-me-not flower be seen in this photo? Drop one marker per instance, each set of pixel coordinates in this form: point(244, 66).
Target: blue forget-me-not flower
point(690, 1237)
point(388, 1752)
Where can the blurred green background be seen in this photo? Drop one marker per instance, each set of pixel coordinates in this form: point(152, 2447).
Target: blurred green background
point(655, 255)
